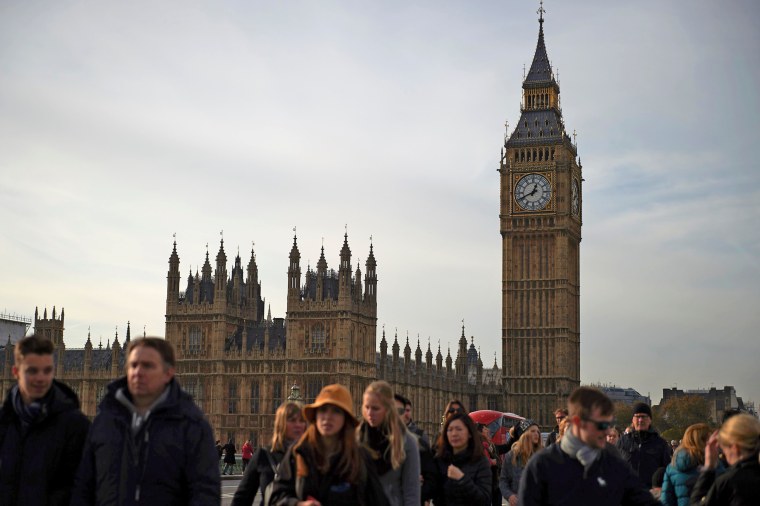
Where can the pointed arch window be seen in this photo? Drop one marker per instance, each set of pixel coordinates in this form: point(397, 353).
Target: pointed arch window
point(194, 339)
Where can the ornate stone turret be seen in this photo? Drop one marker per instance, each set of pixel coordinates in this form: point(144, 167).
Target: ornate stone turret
point(172, 281)
point(294, 272)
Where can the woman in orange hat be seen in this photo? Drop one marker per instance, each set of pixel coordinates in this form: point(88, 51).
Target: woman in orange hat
point(326, 466)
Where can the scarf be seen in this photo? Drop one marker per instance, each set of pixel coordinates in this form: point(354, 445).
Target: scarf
point(378, 447)
point(34, 411)
point(578, 450)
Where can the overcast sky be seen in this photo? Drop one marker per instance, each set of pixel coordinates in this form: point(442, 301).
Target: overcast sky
point(122, 123)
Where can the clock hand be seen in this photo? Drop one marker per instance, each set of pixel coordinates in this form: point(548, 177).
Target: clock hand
point(535, 189)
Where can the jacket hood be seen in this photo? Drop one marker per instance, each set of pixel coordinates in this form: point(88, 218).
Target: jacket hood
point(684, 462)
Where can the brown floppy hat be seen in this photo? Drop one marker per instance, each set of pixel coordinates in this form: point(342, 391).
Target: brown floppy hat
point(337, 395)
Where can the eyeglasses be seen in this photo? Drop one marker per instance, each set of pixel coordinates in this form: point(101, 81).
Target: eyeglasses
point(600, 425)
point(560, 418)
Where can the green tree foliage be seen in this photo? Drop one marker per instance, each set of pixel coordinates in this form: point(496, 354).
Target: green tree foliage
point(623, 415)
point(677, 413)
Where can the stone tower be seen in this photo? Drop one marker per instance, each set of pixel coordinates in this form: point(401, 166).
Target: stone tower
point(540, 217)
point(332, 321)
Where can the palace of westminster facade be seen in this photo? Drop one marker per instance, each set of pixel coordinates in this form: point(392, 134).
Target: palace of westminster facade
point(240, 364)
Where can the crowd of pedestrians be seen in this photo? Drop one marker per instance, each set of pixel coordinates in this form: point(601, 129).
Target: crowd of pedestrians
point(150, 444)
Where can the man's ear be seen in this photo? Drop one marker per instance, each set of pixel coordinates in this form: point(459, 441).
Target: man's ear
point(14, 370)
point(170, 373)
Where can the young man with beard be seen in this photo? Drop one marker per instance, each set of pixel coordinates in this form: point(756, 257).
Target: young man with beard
point(583, 469)
point(42, 430)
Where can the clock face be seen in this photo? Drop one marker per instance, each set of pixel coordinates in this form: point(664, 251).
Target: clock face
point(533, 192)
point(576, 197)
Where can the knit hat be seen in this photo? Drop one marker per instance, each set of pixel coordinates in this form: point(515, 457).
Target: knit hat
point(337, 395)
point(643, 409)
point(522, 427)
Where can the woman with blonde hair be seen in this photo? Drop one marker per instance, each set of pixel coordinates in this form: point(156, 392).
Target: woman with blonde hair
point(327, 466)
point(289, 426)
point(392, 449)
point(681, 472)
point(527, 442)
point(739, 438)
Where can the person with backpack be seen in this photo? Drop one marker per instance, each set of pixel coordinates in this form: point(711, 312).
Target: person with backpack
point(289, 426)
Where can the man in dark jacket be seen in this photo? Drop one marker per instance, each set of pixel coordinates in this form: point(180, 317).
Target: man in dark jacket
point(149, 442)
point(643, 447)
point(583, 469)
point(559, 415)
point(42, 431)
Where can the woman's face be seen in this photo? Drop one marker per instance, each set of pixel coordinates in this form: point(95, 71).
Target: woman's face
point(330, 420)
point(373, 410)
point(295, 426)
point(731, 452)
point(454, 409)
point(534, 434)
point(613, 436)
point(457, 435)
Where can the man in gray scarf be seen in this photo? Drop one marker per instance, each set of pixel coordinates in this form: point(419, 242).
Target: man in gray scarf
point(583, 469)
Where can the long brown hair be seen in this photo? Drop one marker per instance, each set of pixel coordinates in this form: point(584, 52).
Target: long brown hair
point(446, 415)
point(392, 427)
point(350, 465)
point(284, 411)
point(474, 443)
point(524, 448)
point(694, 442)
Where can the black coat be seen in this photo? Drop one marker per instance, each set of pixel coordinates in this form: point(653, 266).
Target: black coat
point(738, 486)
point(171, 461)
point(646, 451)
point(38, 467)
point(473, 489)
point(329, 488)
point(551, 477)
point(258, 474)
point(229, 453)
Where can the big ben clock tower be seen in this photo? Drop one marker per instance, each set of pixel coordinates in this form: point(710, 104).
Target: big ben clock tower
point(540, 217)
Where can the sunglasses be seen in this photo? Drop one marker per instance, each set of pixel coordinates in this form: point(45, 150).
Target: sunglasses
point(600, 425)
point(451, 411)
point(401, 411)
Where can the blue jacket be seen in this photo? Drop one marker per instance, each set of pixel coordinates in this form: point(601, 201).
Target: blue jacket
point(37, 465)
point(509, 479)
point(680, 479)
point(171, 460)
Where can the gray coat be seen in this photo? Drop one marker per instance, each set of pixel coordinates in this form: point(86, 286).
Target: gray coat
point(509, 480)
point(402, 485)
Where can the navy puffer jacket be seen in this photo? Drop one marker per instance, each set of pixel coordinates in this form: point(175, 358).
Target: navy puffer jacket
point(171, 461)
point(37, 466)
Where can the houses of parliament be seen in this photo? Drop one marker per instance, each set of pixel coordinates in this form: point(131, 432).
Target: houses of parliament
point(239, 363)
